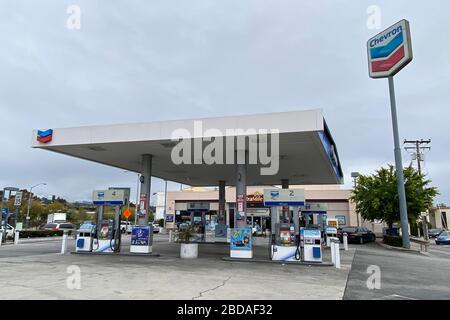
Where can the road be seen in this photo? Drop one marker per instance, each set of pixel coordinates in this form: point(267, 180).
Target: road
point(404, 275)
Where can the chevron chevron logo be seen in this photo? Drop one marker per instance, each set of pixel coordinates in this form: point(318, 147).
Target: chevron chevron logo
point(390, 51)
point(44, 136)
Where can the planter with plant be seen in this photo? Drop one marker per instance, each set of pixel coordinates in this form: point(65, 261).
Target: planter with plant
point(188, 249)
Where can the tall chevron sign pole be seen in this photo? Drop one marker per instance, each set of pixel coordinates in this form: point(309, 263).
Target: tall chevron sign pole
point(388, 53)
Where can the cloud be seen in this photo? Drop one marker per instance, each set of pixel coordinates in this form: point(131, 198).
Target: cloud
point(135, 61)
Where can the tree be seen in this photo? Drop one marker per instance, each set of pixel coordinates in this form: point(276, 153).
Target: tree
point(56, 207)
point(376, 196)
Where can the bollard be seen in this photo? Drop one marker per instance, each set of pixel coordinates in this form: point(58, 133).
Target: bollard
point(337, 259)
point(333, 255)
point(170, 235)
point(345, 240)
point(328, 242)
point(16, 237)
point(1, 237)
point(64, 243)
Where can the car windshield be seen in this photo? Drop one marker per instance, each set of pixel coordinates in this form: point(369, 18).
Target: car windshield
point(352, 229)
point(65, 226)
point(445, 233)
point(50, 225)
point(435, 230)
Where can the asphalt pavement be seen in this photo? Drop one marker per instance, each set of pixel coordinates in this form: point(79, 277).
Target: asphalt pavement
point(403, 275)
point(38, 271)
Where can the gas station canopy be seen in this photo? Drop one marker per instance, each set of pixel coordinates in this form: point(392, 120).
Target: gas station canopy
point(307, 152)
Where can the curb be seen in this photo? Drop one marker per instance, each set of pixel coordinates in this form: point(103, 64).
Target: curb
point(400, 248)
point(300, 263)
point(123, 254)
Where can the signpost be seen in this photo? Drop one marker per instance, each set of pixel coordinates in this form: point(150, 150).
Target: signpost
point(284, 197)
point(18, 199)
point(388, 53)
point(127, 214)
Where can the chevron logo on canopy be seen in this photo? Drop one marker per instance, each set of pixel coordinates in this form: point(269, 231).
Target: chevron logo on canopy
point(44, 136)
point(390, 51)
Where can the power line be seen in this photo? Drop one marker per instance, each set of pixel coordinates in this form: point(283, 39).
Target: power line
point(417, 148)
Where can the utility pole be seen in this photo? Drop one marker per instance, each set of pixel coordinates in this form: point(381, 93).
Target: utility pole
point(417, 147)
point(355, 176)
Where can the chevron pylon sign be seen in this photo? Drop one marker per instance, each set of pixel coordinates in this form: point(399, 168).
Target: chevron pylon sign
point(390, 51)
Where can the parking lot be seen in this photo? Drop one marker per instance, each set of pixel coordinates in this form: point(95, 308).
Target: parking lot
point(36, 270)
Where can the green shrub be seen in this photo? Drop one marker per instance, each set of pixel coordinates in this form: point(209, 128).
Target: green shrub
point(40, 233)
point(393, 241)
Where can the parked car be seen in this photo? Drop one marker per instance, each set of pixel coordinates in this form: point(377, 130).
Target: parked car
point(60, 226)
point(443, 238)
point(434, 233)
point(125, 226)
point(183, 225)
point(9, 230)
point(356, 235)
point(156, 228)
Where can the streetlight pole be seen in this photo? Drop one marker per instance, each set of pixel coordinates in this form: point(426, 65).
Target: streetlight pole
point(30, 197)
point(165, 202)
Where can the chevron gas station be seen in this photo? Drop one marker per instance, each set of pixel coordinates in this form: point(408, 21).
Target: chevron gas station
point(284, 149)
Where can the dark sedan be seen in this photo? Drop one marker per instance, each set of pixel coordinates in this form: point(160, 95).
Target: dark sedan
point(356, 235)
point(434, 233)
point(443, 238)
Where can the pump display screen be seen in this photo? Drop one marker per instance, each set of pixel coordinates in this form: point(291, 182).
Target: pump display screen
point(311, 233)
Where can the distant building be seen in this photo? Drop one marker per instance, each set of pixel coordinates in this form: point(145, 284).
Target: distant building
point(336, 199)
point(439, 216)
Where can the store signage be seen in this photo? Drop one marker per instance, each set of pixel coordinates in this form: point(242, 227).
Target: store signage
point(241, 239)
point(18, 199)
point(255, 197)
point(143, 201)
point(44, 136)
point(198, 206)
point(341, 220)
point(332, 223)
point(259, 211)
point(108, 197)
point(331, 230)
point(240, 203)
point(170, 217)
point(140, 235)
point(284, 197)
point(390, 51)
point(317, 208)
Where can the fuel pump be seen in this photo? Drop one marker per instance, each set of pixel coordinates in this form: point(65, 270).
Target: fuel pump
point(285, 240)
point(108, 236)
point(286, 244)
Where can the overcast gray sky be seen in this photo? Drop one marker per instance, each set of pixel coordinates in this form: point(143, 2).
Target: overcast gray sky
point(135, 61)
